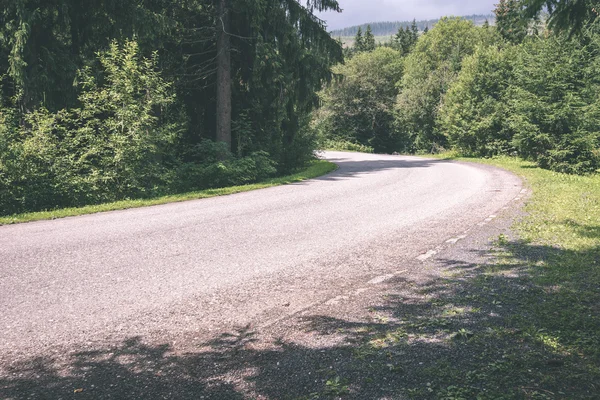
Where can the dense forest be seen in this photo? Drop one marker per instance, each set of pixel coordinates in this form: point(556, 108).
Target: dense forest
point(528, 86)
point(120, 99)
point(113, 99)
point(387, 28)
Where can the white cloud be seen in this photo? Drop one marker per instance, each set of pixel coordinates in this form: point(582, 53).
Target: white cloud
point(362, 11)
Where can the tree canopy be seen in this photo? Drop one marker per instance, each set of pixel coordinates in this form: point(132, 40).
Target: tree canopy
point(280, 55)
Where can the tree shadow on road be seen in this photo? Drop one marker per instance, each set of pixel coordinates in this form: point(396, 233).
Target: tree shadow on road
point(525, 326)
point(353, 168)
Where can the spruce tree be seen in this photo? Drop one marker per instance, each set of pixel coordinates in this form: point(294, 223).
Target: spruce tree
point(571, 16)
point(399, 39)
point(370, 44)
point(511, 21)
point(359, 42)
point(414, 31)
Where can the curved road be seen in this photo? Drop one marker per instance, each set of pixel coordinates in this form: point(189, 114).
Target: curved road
point(254, 257)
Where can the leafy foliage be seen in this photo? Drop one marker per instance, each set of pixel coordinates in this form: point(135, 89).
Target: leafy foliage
point(429, 71)
point(130, 126)
point(509, 100)
point(358, 107)
point(473, 115)
point(554, 111)
point(483, 91)
point(117, 144)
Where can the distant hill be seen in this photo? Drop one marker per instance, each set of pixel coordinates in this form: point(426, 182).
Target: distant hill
point(391, 28)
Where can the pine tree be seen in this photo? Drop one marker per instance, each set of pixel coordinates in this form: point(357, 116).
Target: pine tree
point(406, 38)
point(571, 16)
point(511, 21)
point(223, 97)
point(359, 42)
point(370, 44)
point(414, 31)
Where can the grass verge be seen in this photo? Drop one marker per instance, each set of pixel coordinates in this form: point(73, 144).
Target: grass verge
point(529, 322)
point(317, 168)
point(519, 320)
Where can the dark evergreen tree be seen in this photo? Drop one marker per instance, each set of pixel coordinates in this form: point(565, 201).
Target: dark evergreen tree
point(414, 32)
point(571, 15)
point(405, 39)
point(370, 43)
point(266, 86)
point(511, 21)
point(359, 41)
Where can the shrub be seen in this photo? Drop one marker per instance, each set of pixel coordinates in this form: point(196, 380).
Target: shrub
point(117, 144)
point(429, 72)
point(554, 103)
point(359, 106)
point(473, 115)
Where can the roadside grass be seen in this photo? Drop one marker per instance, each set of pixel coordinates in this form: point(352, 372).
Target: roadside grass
point(529, 321)
point(522, 322)
point(315, 169)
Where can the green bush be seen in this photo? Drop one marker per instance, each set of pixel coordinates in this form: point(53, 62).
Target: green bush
point(118, 144)
point(359, 106)
point(344, 145)
point(231, 172)
point(430, 69)
point(554, 103)
point(474, 113)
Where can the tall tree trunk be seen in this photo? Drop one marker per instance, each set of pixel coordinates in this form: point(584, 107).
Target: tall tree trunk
point(223, 76)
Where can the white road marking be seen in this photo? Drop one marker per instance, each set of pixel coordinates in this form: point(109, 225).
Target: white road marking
point(380, 279)
point(336, 300)
point(427, 255)
point(456, 239)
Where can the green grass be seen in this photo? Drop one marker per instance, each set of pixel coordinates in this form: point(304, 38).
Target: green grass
point(522, 322)
point(317, 168)
point(546, 286)
point(564, 210)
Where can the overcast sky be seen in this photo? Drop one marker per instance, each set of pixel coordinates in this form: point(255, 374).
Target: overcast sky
point(358, 12)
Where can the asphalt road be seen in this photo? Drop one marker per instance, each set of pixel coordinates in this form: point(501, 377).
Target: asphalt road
point(201, 266)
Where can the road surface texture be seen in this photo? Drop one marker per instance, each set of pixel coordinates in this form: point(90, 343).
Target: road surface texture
point(125, 304)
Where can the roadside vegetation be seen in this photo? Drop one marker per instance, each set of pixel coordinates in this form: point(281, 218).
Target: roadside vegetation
point(524, 325)
point(118, 100)
point(527, 86)
point(315, 169)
